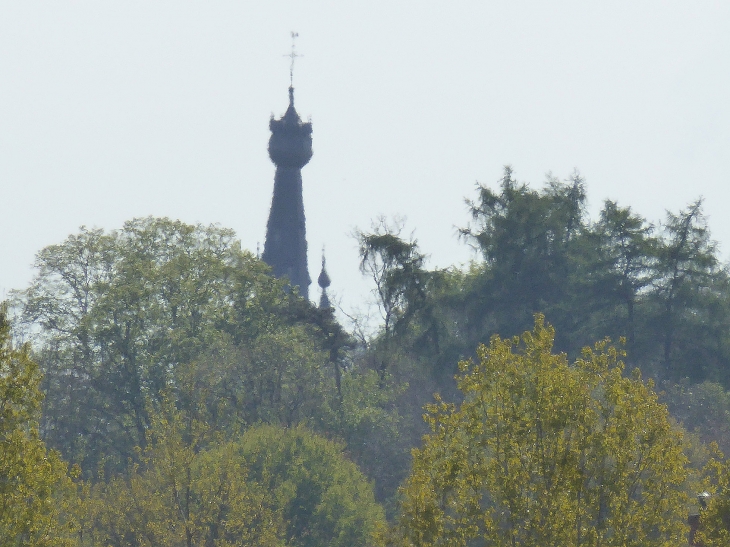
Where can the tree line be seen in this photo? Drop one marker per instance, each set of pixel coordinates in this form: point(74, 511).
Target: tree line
point(199, 401)
point(661, 290)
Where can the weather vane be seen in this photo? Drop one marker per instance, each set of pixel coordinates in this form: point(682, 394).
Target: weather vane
point(293, 55)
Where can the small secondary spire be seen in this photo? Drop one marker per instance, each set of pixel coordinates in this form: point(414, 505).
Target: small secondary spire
point(324, 281)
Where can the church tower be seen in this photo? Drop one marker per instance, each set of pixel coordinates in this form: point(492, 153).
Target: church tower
point(290, 148)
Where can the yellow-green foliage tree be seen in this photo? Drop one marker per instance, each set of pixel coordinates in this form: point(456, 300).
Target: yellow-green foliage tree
point(544, 452)
point(714, 529)
point(33, 480)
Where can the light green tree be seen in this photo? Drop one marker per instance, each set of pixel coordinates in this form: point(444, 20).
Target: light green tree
point(321, 497)
point(35, 489)
point(181, 494)
point(272, 487)
point(123, 316)
point(114, 314)
point(544, 452)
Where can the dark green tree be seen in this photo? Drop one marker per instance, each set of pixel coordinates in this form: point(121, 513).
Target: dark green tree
point(687, 272)
point(526, 239)
point(621, 256)
point(396, 267)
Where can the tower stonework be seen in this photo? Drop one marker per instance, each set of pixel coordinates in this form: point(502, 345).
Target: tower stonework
point(285, 249)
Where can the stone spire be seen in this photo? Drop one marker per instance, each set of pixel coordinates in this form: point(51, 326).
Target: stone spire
point(285, 248)
point(324, 281)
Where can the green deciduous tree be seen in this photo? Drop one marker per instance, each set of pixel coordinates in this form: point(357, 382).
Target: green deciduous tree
point(121, 317)
point(180, 494)
point(117, 313)
point(322, 497)
point(714, 528)
point(34, 486)
point(543, 452)
point(270, 487)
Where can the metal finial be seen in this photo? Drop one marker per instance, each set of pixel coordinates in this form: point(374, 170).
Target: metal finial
point(293, 55)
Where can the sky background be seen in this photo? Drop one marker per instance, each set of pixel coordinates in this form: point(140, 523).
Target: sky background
point(114, 110)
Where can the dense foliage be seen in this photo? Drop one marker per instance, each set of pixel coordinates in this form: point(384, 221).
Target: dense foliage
point(33, 480)
point(543, 452)
point(123, 317)
point(171, 363)
point(270, 487)
point(661, 288)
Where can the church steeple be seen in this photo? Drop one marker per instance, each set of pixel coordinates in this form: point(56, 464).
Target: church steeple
point(290, 148)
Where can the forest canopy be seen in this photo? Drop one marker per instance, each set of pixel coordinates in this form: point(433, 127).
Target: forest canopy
point(199, 400)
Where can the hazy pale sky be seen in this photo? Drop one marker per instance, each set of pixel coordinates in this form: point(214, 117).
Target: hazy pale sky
point(119, 109)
